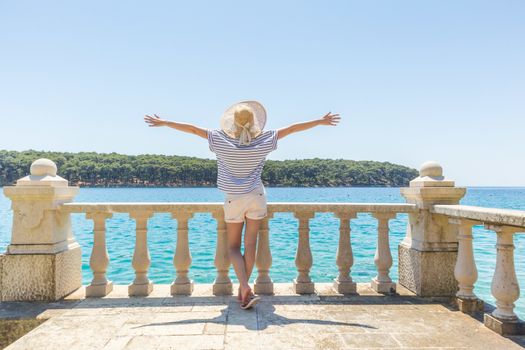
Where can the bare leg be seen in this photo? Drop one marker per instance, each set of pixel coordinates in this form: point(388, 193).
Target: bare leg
point(250, 244)
point(234, 232)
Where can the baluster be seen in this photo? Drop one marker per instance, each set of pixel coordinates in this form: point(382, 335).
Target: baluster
point(465, 270)
point(222, 284)
point(505, 288)
point(343, 283)
point(99, 260)
point(182, 258)
point(303, 258)
point(141, 286)
point(382, 283)
point(263, 259)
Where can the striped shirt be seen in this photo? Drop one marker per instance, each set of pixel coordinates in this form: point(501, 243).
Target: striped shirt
point(240, 166)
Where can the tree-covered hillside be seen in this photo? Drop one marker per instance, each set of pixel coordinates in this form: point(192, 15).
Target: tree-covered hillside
point(112, 169)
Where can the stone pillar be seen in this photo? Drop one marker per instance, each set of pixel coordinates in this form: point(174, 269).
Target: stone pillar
point(505, 288)
point(43, 260)
point(427, 255)
point(99, 260)
point(222, 284)
point(141, 286)
point(465, 271)
point(182, 285)
point(303, 257)
point(344, 284)
point(382, 283)
point(263, 260)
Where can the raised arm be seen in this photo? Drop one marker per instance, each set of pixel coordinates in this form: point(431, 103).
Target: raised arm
point(155, 121)
point(327, 119)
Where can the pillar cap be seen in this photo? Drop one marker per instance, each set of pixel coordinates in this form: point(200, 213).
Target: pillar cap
point(43, 173)
point(432, 169)
point(42, 167)
point(431, 175)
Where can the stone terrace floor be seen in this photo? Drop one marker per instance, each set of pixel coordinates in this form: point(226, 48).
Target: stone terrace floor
point(284, 321)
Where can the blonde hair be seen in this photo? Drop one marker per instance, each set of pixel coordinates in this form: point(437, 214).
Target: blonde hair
point(243, 119)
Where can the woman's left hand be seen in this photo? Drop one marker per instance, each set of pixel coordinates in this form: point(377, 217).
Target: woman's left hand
point(154, 121)
point(330, 119)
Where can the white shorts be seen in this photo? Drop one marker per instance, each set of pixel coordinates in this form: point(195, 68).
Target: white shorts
point(251, 205)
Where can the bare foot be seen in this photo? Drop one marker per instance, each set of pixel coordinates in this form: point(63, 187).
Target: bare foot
point(245, 296)
point(239, 295)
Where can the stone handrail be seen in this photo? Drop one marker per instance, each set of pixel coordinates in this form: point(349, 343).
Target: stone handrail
point(505, 287)
point(182, 212)
point(209, 207)
point(494, 216)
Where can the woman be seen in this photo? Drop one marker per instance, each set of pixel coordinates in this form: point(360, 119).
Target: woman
point(241, 147)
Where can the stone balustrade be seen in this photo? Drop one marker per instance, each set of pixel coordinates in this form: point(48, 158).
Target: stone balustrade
point(435, 259)
point(183, 212)
point(505, 288)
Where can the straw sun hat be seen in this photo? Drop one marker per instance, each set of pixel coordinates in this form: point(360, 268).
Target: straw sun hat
point(244, 121)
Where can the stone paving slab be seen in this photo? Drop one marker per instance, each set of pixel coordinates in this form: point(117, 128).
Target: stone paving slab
point(324, 320)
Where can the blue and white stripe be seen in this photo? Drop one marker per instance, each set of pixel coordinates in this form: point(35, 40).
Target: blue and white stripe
point(240, 166)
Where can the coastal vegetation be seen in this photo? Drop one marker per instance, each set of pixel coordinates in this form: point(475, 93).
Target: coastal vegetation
point(118, 170)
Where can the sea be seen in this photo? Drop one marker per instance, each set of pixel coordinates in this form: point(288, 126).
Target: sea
point(324, 234)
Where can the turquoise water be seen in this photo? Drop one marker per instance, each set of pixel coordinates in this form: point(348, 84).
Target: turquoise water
point(283, 233)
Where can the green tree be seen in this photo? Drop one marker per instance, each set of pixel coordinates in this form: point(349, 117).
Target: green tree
point(112, 169)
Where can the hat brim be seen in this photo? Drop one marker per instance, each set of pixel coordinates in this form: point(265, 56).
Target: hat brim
point(259, 117)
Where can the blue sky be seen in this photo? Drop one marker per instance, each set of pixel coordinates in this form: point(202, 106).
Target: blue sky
point(413, 80)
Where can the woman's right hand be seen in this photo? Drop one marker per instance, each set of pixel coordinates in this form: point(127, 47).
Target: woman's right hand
point(154, 121)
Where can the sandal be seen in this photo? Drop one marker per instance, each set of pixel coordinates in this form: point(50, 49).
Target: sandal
point(251, 303)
